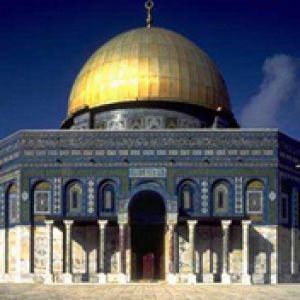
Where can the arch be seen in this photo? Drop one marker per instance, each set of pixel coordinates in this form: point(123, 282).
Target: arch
point(107, 196)
point(221, 196)
point(73, 197)
point(147, 207)
point(254, 196)
point(42, 192)
point(150, 186)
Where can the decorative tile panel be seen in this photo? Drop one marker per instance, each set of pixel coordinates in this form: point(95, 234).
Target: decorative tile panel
point(238, 195)
point(205, 197)
point(57, 195)
point(91, 204)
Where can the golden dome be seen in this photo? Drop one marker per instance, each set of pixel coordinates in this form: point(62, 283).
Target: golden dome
point(149, 64)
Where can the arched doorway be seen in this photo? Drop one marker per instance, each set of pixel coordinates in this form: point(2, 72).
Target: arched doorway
point(147, 220)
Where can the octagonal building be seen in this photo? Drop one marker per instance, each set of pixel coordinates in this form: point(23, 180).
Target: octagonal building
point(150, 178)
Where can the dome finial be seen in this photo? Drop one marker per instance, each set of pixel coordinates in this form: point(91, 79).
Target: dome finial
point(149, 6)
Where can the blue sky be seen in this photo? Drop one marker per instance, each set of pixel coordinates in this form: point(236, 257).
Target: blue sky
point(43, 45)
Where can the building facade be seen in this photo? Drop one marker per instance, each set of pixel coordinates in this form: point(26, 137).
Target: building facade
point(150, 178)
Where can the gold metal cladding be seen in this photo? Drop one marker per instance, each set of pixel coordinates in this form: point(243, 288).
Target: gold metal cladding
point(149, 65)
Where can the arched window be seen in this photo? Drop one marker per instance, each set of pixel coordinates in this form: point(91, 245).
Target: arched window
point(107, 197)
point(74, 197)
point(254, 197)
point(12, 200)
point(221, 198)
point(42, 198)
point(186, 196)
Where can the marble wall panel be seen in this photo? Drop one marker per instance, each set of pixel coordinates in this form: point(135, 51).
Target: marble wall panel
point(112, 250)
point(235, 250)
point(183, 249)
point(84, 249)
point(13, 249)
point(25, 236)
point(264, 258)
point(2, 251)
point(40, 249)
point(57, 249)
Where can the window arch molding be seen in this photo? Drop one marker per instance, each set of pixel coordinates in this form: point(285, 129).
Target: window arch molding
point(107, 196)
point(221, 191)
point(42, 196)
point(11, 199)
point(254, 196)
point(73, 197)
point(186, 191)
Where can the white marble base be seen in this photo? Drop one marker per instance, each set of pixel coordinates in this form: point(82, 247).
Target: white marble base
point(48, 279)
point(274, 278)
point(225, 278)
point(102, 278)
point(246, 279)
point(171, 279)
point(67, 278)
point(3, 278)
point(188, 278)
point(208, 278)
point(122, 278)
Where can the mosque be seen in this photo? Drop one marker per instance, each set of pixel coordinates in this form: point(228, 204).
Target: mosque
point(150, 178)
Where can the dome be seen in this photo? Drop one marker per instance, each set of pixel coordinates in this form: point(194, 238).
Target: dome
point(149, 64)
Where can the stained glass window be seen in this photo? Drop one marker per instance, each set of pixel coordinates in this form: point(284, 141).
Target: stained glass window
point(108, 197)
point(187, 197)
point(255, 197)
point(13, 203)
point(42, 198)
point(74, 195)
point(221, 195)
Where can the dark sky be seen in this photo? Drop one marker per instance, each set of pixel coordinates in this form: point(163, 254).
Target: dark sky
point(44, 43)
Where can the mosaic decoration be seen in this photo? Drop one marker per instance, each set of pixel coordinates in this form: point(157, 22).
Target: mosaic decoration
point(238, 194)
point(204, 196)
point(91, 196)
point(148, 119)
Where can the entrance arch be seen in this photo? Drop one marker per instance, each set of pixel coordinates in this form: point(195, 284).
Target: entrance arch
point(147, 220)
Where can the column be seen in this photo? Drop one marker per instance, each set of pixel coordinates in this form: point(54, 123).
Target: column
point(246, 278)
point(191, 227)
point(101, 251)
point(68, 251)
point(225, 276)
point(171, 274)
point(122, 254)
point(49, 230)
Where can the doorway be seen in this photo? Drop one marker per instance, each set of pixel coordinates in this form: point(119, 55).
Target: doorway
point(147, 220)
